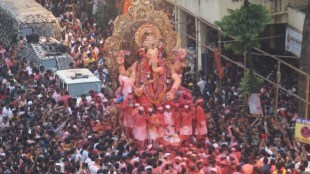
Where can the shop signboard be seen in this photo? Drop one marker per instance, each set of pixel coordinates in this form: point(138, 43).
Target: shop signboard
point(302, 130)
point(293, 41)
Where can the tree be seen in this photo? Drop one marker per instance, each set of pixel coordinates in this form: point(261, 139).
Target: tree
point(245, 24)
point(106, 11)
point(304, 62)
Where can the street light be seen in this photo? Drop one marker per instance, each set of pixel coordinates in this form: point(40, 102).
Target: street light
point(220, 54)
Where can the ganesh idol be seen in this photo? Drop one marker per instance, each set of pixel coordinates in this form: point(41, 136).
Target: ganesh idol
point(153, 78)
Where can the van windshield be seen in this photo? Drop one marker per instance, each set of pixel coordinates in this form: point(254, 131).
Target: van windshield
point(77, 89)
point(49, 64)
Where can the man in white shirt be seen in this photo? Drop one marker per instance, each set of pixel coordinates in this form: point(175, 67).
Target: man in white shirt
point(5, 123)
point(56, 95)
point(7, 111)
point(94, 167)
point(201, 84)
point(29, 68)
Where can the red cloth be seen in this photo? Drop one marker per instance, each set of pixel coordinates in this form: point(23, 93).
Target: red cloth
point(201, 126)
point(161, 125)
point(177, 119)
point(186, 123)
point(152, 127)
point(186, 118)
point(144, 101)
point(126, 6)
point(139, 127)
point(128, 109)
point(200, 114)
point(140, 120)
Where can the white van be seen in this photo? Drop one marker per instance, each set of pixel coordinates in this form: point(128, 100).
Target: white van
point(78, 81)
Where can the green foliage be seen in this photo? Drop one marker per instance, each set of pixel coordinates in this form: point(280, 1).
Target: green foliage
point(247, 87)
point(105, 13)
point(245, 24)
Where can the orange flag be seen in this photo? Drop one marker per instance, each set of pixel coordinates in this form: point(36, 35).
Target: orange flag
point(218, 64)
point(127, 3)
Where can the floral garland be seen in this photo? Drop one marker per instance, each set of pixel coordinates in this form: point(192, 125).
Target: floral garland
point(156, 88)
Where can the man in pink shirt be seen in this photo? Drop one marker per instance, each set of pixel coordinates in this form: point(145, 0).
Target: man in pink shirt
point(152, 124)
point(169, 121)
point(177, 117)
point(186, 122)
point(161, 124)
point(128, 109)
point(200, 119)
point(139, 127)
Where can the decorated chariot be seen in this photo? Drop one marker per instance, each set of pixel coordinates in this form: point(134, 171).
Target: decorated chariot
point(144, 58)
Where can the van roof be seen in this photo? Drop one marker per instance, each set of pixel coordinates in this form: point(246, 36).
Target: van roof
point(82, 75)
point(27, 11)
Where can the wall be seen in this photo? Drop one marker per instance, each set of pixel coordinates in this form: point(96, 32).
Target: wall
point(209, 10)
point(294, 14)
point(192, 5)
point(214, 10)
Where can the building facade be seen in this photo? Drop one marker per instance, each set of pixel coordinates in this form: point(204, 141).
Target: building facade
point(194, 20)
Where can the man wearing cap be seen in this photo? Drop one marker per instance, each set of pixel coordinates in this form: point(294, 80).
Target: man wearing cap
point(200, 119)
point(166, 160)
point(169, 121)
point(139, 127)
point(177, 164)
point(177, 117)
point(128, 108)
point(186, 122)
point(152, 123)
point(161, 123)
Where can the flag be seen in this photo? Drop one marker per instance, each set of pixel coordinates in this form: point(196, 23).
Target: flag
point(127, 3)
point(218, 64)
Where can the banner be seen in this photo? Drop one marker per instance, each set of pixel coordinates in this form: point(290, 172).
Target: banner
point(255, 105)
point(302, 130)
point(293, 41)
point(218, 64)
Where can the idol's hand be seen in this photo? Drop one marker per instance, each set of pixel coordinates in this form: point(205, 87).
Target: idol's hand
point(120, 59)
point(138, 91)
point(181, 53)
point(169, 95)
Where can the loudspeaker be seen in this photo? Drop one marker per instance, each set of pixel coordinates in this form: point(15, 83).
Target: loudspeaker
point(33, 38)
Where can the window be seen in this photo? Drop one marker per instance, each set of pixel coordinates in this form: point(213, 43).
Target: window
point(61, 84)
point(76, 90)
point(49, 64)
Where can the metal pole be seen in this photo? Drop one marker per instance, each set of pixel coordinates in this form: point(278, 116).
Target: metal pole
point(307, 97)
point(277, 89)
point(220, 54)
point(197, 29)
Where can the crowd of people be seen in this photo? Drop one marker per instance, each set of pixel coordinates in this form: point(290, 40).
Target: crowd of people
point(44, 130)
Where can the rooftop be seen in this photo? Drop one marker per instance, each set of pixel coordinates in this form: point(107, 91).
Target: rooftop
point(27, 11)
point(72, 76)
